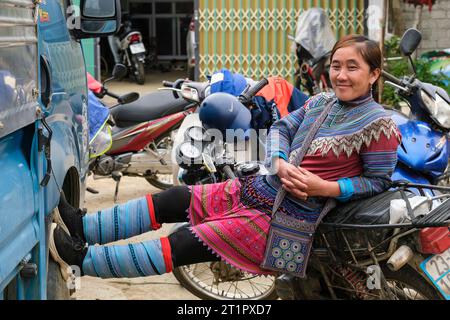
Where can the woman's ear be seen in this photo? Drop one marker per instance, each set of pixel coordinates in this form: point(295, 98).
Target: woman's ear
point(374, 76)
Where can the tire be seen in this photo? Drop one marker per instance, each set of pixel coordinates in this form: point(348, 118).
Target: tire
point(139, 70)
point(409, 278)
point(185, 275)
point(155, 180)
point(158, 184)
point(56, 286)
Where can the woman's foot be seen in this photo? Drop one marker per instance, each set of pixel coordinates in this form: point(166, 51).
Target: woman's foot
point(71, 217)
point(65, 249)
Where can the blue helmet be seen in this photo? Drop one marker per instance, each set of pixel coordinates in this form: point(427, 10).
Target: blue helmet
point(224, 111)
point(226, 81)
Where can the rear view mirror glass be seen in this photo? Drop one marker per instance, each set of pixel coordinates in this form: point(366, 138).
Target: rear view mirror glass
point(410, 41)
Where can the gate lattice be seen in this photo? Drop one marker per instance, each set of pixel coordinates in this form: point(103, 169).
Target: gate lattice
point(250, 36)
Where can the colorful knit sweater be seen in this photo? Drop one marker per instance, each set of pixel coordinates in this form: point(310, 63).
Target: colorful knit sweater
point(357, 141)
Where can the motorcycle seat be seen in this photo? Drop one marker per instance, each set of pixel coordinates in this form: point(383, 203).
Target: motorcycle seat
point(150, 107)
point(369, 211)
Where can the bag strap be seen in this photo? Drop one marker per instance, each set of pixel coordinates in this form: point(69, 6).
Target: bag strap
point(297, 157)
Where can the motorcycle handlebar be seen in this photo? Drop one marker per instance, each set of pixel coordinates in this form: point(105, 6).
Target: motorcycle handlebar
point(391, 77)
point(168, 84)
point(247, 96)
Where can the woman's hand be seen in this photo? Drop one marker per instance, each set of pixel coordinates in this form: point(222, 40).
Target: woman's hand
point(284, 172)
point(303, 184)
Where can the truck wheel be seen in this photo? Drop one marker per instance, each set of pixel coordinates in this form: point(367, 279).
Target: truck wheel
point(56, 286)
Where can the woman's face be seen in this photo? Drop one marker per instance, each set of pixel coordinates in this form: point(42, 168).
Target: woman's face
point(350, 75)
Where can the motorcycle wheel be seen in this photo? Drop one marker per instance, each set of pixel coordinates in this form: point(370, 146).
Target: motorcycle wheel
point(407, 284)
point(199, 279)
point(164, 145)
point(139, 70)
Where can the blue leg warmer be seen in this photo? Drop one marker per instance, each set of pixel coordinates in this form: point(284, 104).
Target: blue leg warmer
point(129, 261)
point(120, 222)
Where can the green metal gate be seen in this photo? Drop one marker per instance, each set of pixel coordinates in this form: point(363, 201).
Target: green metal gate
point(250, 36)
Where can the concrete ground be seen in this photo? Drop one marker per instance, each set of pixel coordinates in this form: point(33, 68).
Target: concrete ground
point(164, 287)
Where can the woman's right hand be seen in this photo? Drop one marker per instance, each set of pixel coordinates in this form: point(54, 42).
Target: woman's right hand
point(285, 172)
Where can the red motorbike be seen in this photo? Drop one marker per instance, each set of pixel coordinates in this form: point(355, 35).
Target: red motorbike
point(143, 130)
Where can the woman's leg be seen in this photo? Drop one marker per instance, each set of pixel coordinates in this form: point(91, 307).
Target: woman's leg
point(134, 260)
point(129, 219)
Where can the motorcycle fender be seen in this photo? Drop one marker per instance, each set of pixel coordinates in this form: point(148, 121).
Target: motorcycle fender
point(415, 263)
point(140, 57)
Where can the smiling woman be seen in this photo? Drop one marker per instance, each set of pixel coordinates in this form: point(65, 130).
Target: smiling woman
point(355, 67)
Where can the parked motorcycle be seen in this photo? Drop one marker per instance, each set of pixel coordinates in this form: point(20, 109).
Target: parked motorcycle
point(132, 51)
point(142, 133)
point(313, 42)
point(424, 152)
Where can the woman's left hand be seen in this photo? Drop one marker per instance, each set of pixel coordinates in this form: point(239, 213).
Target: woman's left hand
point(303, 181)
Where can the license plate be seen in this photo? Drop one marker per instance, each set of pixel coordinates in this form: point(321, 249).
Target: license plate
point(137, 48)
point(437, 268)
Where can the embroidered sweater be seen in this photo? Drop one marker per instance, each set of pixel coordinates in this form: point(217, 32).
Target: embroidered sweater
point(357, 140)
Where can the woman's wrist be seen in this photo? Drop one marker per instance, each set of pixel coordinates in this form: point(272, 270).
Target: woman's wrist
point(331, 189)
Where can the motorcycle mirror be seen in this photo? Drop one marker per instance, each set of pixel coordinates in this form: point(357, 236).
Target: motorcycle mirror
point(128, 98)
point(119, 71)
point(410, 41)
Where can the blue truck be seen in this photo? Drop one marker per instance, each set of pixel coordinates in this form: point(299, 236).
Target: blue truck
point(43, 131)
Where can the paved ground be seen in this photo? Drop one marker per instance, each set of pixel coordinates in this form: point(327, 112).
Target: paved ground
point(164, 287)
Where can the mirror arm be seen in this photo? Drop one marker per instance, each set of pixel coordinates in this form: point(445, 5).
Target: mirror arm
point(413, 66)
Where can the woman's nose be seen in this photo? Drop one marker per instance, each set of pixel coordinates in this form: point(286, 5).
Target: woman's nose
point(342, 75)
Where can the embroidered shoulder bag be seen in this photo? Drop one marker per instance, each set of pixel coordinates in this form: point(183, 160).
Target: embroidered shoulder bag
point(290, 240)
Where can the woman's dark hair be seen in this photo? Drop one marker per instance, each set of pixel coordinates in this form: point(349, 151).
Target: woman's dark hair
point(369, 49)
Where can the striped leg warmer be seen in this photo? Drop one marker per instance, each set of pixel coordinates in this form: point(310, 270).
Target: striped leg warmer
point(129, 261)
point(120, 222)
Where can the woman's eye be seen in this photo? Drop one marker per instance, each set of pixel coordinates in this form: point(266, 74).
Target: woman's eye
point(352, 68)
point(335, 67)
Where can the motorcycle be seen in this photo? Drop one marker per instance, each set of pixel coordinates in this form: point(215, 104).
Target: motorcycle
point(142, 132)
point(312, 43)
point(131, 49)
point(424, 152)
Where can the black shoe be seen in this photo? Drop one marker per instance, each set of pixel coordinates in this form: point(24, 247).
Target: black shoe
point(72, 217)
point(71, 250)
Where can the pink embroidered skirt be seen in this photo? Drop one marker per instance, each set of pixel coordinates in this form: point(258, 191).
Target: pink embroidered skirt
point(235, 232)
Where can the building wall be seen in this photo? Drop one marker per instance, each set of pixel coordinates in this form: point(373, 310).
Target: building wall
point(435, 26)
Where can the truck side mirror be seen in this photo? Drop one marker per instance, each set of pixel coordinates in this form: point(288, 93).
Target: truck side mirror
point(410, 41)
point(97, 18)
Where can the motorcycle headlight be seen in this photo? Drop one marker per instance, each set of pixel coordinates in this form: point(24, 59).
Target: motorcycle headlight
point(188, 155)
point(195, 133)
point(439, 109)
point(190, 151)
